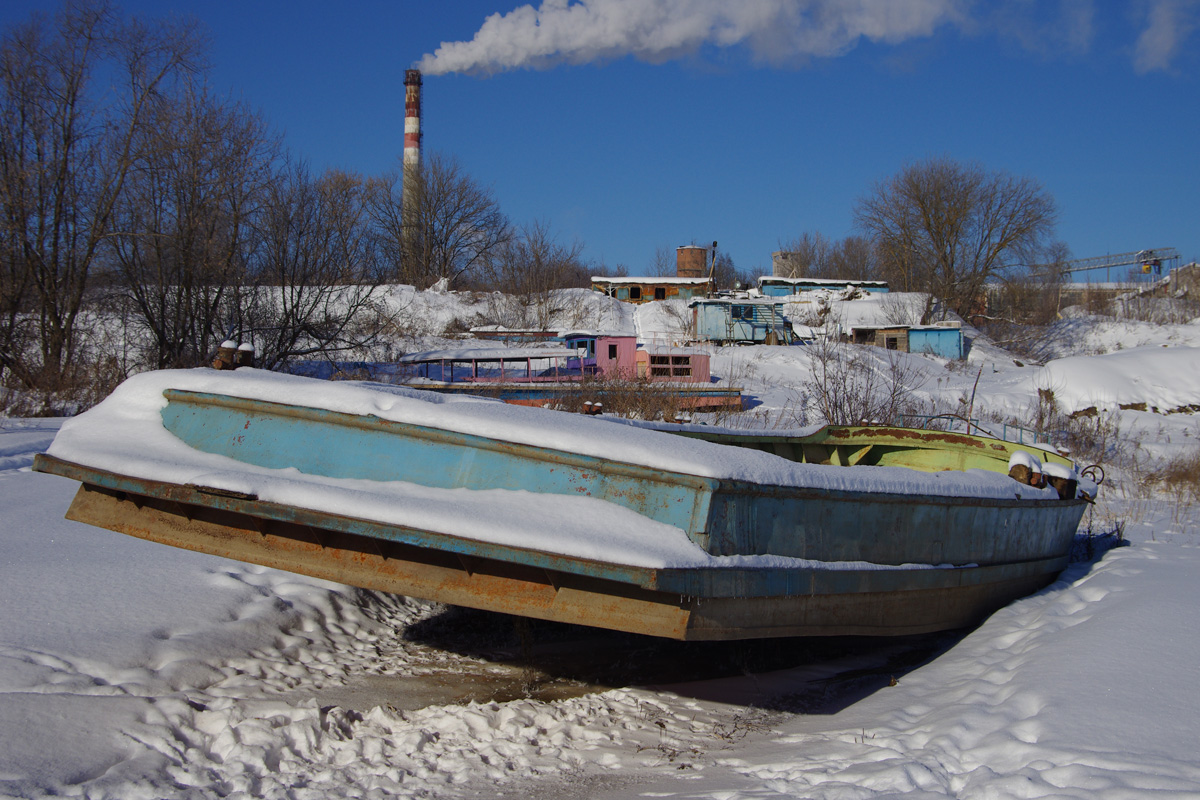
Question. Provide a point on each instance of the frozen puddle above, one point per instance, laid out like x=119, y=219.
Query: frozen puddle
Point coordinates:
x=461, y=656
x=455, y=686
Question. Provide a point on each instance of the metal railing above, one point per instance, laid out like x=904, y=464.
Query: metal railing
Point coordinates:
x=955, y=422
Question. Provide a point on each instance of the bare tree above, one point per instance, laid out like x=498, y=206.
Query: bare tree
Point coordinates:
x=64, y=161
x=183, y=224
x=458, y=225
x=812, y=255
x=854, y=384
x=806, y=256
x=946, y=228
x=853, y=258
x=314, y=277
x=1025, y=300
x=527, y=270
x=727, y=276
x=664, y=264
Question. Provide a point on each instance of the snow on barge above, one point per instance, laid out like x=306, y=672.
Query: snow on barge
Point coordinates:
x=874, y=531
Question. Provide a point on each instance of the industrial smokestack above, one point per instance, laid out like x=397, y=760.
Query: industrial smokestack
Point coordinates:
x=412, y=153
x=412, y=119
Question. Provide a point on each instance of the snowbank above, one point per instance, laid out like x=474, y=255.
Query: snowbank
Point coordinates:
x=1163, y=378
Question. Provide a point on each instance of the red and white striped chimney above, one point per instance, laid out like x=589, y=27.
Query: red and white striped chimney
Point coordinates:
x=411, y=165
x=412, y=119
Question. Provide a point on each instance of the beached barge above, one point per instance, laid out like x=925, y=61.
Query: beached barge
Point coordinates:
x=566, y=517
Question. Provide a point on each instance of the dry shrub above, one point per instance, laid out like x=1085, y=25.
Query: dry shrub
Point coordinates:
x=1156, y=310
x=1180, y=477
x=456, y=328
x=853, y=384
x=1095, y=438
x=353, y=372
x=1091, y=435
x=73, y=391
x=636, y=398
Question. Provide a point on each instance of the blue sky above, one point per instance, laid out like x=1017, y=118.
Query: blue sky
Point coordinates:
x=748, y=141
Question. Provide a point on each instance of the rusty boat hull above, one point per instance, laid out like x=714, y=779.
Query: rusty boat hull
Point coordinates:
x=870, y=563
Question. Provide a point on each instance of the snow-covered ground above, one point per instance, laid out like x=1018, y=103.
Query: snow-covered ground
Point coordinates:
x=132, y=670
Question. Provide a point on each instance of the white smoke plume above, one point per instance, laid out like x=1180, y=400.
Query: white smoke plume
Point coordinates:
x=773, y=31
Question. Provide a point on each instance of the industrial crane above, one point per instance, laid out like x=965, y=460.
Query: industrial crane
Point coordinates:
x=1150, y=261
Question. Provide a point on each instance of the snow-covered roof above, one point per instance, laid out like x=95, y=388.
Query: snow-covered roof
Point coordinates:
x=764, y=279
x=596, y=334
x=666, y=349
x=738, y=301
x=643, y=281
x=514, y=331
x=489, y=354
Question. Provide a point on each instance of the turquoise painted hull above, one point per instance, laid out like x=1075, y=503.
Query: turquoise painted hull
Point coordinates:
x=1001, y=548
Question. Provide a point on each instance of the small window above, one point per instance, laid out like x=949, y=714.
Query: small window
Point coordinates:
x=612, y=352
x=660, y=359
x=660, y=293
x=892, y=342
x=635, y=293
x=743, y=312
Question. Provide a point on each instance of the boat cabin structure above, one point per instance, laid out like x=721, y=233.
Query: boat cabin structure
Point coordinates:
x=539, y=375
x=544, y=364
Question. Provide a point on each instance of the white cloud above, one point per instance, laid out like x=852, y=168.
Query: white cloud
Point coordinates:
x=1049, y=29
x=1169, y=23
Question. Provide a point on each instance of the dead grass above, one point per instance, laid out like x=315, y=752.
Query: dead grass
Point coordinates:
x=1179, y=479
x=1092, y=435
x=73, y=392
x=636, y=398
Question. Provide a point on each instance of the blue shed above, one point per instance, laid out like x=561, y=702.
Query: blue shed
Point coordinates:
x=743, y=320
x=937, y=340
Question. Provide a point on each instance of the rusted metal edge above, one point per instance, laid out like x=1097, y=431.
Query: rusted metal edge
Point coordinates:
x=703, y=487
x=700, y=582
x=735, y=487
x=470, y=440
x=736, y=584
x=884, y=435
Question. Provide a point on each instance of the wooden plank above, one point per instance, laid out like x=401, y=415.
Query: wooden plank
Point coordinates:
x=417, y=572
